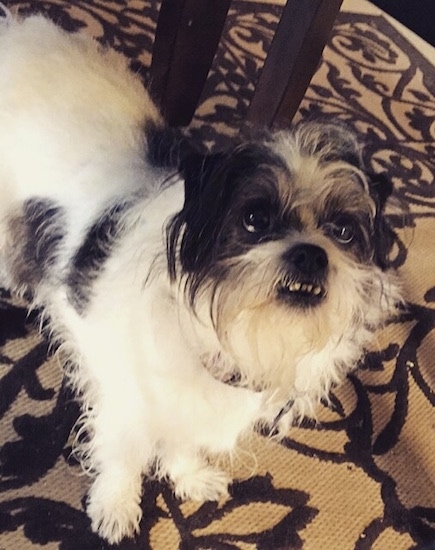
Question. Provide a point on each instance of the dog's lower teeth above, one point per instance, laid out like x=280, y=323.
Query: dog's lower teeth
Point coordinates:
x=302, y=287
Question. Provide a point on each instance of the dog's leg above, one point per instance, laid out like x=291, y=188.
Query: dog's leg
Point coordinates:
x=119, y=447
x=120, y=452
x=114, y=504
x=211, y=418
x=193, y=478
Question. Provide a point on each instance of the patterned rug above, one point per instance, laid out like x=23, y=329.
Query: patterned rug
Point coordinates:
x=363, y=476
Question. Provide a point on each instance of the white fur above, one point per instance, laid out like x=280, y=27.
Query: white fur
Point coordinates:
x=71, y=121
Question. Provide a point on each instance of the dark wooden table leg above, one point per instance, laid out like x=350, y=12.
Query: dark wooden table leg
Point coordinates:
x=293, y=57
x=187, y=36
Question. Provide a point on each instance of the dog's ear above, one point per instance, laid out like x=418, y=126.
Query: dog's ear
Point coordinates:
x=191, y=233
x=210, y=182
x=214, y=177
x=199, y=172
x=380, y=189
x=329, y=141
x=166, y=146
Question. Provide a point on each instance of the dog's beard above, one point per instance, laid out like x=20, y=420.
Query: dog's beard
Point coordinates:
x=267, y=336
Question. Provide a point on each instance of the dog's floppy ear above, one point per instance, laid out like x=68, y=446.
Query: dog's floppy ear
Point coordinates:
x=190, y=233
x=329, y=141
x=380, y=188
x=210, y=183
x=214, y=177
x=199, y=171
x=166, y=146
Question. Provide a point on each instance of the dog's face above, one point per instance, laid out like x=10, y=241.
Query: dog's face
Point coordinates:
x=284, y=242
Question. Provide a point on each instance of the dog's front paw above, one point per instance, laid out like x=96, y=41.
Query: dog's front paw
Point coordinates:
x=277, y=418
x=114, y=507
x=200, y=484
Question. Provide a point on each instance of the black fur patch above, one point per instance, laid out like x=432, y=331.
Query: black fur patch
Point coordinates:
x=166, y=146
x=36, y=233
x=380, y=189
x=89, y=259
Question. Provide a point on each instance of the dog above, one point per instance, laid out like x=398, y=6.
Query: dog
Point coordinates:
x=191, y=305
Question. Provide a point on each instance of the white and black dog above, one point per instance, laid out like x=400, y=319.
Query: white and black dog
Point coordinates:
x=190, y=306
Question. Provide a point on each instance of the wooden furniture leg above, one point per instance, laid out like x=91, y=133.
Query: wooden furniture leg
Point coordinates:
x=292, y=59
x=187, y=36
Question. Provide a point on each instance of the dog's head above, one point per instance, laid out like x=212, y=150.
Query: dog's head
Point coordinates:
x=284, y=241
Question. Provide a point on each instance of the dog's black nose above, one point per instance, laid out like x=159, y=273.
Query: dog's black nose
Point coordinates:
x=307, y=260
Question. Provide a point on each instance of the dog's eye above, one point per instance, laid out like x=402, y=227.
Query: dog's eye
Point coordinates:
x=256, y=218
x=343, y=231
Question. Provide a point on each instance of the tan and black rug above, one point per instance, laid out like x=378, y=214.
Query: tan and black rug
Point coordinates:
x=363, y=477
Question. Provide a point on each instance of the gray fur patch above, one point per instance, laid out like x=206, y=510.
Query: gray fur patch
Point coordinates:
x=36, y=233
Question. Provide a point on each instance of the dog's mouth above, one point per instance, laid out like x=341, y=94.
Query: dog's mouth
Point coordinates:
x=300, y=293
